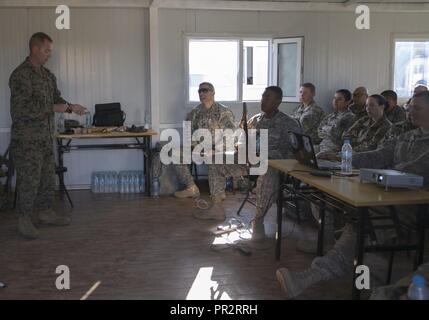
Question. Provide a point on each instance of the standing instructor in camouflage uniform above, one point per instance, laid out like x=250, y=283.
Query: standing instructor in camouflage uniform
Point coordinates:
x=34, y=99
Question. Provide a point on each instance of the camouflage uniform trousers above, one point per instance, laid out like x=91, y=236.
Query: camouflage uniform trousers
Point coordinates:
x=267, y=185
x=183, y=174
x=35, y=168
x=217, y=174
x=338, y=261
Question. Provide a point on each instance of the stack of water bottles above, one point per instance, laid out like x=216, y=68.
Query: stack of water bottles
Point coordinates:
x=112, y=182
x=131, y=182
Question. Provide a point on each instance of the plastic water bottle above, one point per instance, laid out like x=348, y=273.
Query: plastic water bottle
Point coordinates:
x=136, y=182
x=114, y=182
x=418, y=290
x=147, y=119
x=346, y=158
x=87, y=120
x=155, y=187
x=122, y=182
x=60, y=122
x=229, y=184
x=141, y=182
x=106, y=182
x=132, y=182
x=94, y=182
x=110, y=182
x=125, y=181
x=102, y=182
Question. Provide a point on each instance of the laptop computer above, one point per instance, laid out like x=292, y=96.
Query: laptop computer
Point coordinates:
x=303, y=150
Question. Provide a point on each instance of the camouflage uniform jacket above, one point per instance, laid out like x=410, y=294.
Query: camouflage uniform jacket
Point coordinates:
x=397, y=129
x=396, y=115
x=278, y=136
x=408, y=152
x=33, y=93
x=359, y=111
x=217, y=116
x=365, y=134
x=309, y=118
x=332, y=127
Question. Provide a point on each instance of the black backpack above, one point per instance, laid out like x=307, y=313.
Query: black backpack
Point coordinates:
x=108, y=115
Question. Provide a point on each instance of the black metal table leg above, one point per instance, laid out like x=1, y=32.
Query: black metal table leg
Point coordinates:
x=147, y=159
x=421, y=212
x=60, y=151
x=321, y=233
x=279, y=216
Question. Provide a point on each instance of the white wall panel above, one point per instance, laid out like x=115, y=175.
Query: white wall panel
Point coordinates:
x=13, y=37
x=102, y=58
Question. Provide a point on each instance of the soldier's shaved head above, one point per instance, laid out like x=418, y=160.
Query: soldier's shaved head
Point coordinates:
x=361, y=90
x=38, y=39
x=420, y=88
x=41, y=47
x=360, y=95
x=424, y=95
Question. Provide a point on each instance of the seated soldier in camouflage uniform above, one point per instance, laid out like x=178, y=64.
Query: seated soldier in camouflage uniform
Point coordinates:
x=409, y=153
x=207, y=115
x=332, y=127
x=394, y=113
x=367, y=132
x=330, y=131
x=278, y=125
x=359, y=101
x=401, y=127
x=34, y=100
x=308, y=113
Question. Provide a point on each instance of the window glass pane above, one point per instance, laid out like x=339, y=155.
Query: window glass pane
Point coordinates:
x=255, y=69
x=287, y=68
x=411, y=66
x=214, y=61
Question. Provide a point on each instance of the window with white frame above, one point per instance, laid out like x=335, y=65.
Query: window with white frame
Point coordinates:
x=287, y=67
x=240, y=69
x=411, y=65
x=255, y=69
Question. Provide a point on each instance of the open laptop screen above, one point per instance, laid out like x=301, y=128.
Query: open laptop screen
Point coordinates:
x=303, y=150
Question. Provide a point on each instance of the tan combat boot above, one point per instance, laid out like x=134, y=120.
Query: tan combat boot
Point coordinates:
x=294, y=283
x=214, y=212
x=190, y=192
x=49, y=216
x=258, y=230
x=26, y=228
